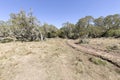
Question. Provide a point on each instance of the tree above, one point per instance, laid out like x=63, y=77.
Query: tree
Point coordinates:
x=4, y=29
x=109, y=21
x=25, y=27
x=95, y=31
x=116, y=21
x=99, y=22
x=68, y=31
x=49, y=31
x=85, y=22
x=113, y=33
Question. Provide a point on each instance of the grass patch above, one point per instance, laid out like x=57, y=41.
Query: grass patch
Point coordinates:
x=117, y=70
x=113, y=47
x=6, y=40
x=83, y=41
x=97, y=61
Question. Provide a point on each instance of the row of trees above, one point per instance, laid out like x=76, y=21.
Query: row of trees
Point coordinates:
x=88, y=26
x=26, y=27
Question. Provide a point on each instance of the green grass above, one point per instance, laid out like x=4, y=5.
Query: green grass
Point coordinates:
x=97, y=61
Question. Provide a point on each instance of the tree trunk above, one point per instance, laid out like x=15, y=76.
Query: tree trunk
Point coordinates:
x=41, y=36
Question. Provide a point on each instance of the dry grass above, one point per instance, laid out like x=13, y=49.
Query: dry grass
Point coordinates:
x=105, y=44
x=50, y=60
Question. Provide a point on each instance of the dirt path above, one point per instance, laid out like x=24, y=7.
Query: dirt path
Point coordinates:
x=104, y=55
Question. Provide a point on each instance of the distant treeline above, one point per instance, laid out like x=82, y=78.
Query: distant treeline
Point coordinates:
x=25, y=27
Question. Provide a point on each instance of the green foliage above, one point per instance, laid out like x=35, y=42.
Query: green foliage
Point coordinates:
x=113, y=33
x=92, y=31
x=61, y=34
x=83, y=41
x=4, y=29
x=99, y=22
x=49, y=31
x=85, y=22
x=95, y=31
x=52, y=34
x=25, y=27
x=68, y=31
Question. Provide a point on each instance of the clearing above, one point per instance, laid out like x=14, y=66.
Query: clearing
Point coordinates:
x=52, y=60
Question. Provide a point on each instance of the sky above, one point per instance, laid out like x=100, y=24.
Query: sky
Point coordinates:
x=57, y=12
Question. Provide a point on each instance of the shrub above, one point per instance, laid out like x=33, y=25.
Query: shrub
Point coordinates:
x=113, y=33
x=52, y=34
x=61, y=34
x=83, y=41
x=25, y=26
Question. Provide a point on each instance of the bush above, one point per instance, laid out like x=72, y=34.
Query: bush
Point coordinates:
x=92, y=31
x=61, y=34
x=113, y=33
x=83, y=41
x=52, y=34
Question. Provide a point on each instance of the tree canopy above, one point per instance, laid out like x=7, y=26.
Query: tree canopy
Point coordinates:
x=25, y=27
